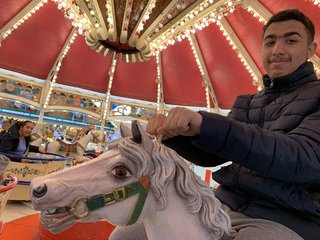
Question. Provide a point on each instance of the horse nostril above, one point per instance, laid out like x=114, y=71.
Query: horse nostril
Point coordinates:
x=40, y=191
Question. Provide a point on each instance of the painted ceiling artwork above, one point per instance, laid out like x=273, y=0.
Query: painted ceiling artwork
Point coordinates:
x=98, y=57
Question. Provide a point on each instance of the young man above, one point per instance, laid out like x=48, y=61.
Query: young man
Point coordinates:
x=272, y=188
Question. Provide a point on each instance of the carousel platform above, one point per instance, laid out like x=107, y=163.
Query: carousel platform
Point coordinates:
x=28, y=227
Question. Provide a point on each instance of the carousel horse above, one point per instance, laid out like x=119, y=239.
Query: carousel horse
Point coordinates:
x=138, y=182
x=76, y=148
x=39, y=134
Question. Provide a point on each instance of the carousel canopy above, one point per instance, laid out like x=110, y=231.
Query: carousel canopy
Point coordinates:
x=155, y=53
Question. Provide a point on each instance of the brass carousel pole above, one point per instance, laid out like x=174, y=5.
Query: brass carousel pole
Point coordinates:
x=106, y=103
x=160, y=97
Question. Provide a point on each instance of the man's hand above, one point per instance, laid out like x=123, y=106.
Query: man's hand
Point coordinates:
x=180, y=121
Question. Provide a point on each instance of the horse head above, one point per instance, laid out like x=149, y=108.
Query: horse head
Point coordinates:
x=97, y=136
x=37, y=131
x=139, y=180
x=39, y=134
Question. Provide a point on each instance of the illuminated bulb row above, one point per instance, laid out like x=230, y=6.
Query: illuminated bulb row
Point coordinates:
x=161, y=44
x=158, y=82
x=72, y=12
x=127, y=16
x=158, y=62
x=315, y=2
x=201, y=71
x=111, y=75
x=145, y=17
x=195, y=54
x=51, y=86
x=256, y=15
x=208, y=99
x=93, y=14
x=169, y=16
x=234, y=47
x=179, y=6
x=190, y=16
x=57, y=69
x=23, y=19
x=110, y=15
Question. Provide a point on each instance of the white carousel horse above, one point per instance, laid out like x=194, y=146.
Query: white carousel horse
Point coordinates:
x=77, y=148
x=140, y=182
x=39, y=134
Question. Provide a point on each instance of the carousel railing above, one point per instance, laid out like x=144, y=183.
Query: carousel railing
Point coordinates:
x=5, y=191
x=29, y=167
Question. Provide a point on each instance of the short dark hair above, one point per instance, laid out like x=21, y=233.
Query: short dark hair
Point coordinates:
x=292, y=14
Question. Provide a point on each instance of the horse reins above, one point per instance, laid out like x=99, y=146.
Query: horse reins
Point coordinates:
x=93, y=203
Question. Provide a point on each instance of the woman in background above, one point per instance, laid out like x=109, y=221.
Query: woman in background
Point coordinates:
x=17, y=139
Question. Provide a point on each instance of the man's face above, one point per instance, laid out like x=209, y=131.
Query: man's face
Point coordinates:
x=285, y=47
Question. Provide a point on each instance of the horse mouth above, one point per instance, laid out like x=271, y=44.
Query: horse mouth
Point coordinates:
x=57, y=219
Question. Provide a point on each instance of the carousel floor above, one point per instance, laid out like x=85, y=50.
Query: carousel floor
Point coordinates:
x=16, y=209
x=21, y=222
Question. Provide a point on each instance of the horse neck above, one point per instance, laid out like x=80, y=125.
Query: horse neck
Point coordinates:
x=85, y=139
x=36, y=142
x=173, y=222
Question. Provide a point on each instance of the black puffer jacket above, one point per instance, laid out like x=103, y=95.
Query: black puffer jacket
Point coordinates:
x=9, y=142
x=273, y=140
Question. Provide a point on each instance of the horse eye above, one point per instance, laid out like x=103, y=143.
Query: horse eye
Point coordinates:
x=120, y=172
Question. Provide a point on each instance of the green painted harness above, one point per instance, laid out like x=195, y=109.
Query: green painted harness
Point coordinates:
x=93, y=203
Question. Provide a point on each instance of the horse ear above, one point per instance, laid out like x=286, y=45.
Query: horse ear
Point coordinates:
x=125, y=131
x=140, y=136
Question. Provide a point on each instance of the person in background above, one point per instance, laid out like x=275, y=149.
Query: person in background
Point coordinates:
x=272, y=188
x=16, y=140
x=5, y=125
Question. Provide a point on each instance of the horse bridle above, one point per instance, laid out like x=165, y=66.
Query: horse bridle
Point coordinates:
x=95, y=138
x=95, y=202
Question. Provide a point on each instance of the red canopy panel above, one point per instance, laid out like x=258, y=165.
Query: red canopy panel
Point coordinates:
x=182, y=81
x=33, y=47
x=10, y=8
x=250, y=35
x=228, y=76
x=136, y=80
x=84, y=68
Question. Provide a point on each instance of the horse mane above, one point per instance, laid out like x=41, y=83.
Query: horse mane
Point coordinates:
x=38, y=131
x=165, y=166
x=38, y=128
x=84, y=131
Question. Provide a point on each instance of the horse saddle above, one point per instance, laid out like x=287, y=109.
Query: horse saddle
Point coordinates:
x=67, y=146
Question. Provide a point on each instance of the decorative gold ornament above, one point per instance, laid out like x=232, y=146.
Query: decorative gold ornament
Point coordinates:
x=10, y=87
x=137, y=29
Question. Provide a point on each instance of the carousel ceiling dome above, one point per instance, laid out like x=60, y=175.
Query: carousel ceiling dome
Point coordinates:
x=139, y=28
x=143, y=56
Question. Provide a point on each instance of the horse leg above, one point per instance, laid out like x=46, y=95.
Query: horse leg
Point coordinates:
x=133, y=232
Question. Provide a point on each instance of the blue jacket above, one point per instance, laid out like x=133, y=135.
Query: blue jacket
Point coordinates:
x=272, y=139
